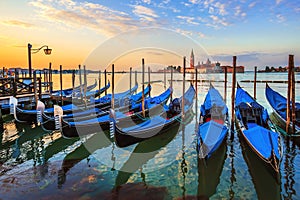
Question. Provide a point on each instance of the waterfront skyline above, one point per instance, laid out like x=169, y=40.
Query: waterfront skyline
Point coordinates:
x=258, y=33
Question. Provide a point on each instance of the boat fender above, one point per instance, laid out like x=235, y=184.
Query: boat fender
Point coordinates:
x=13, y=103
x=58, y=112
x=40, y=109
x=112, y=117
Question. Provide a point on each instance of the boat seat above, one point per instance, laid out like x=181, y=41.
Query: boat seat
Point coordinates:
x=174, y=108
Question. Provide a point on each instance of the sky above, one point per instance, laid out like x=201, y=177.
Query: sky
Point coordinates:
x=99, y=33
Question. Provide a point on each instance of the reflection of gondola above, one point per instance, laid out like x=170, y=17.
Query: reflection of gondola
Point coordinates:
x=22, y=152
x=265, y=185
x=57, y=146
x=145, y=151
x=209, y=171
x=96, y=141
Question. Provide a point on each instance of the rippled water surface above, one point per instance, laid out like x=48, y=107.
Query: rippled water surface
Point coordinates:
x=35, y=164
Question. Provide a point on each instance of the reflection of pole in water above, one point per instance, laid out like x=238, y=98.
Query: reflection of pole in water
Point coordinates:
x=289, y=171
x=183, y=165
x=232, y=174
x=113, y=158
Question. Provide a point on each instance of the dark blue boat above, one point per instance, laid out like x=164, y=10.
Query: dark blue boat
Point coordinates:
x=214, y=123
x=123, y=103
x=68, y=93
x=158, y=124
x=252, y=122
x=279, y=106
x=30, y=116
x=79, y=126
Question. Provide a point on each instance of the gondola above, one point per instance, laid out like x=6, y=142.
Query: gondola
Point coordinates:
x=252, y=122
x=76, y=126
x=127, y=104
x=69, y=93
x=155, y=125
x=214, y=123
x=279, y=106
x=30, y=116
x=87, y=96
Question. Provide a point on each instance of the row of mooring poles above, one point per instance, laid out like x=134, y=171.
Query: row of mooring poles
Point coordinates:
x=291, y=112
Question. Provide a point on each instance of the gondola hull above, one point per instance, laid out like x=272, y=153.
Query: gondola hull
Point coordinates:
x=279, y=106
x=271, y=164
x=252, y=124
x=214, y=123
x=154, y=126
x=102, y=123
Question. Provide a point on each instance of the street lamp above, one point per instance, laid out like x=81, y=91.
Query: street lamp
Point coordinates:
x=47, y=51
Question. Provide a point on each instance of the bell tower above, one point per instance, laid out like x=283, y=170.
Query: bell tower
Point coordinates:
x=192, y=60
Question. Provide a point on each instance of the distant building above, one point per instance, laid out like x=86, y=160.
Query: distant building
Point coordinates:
x=239, y=69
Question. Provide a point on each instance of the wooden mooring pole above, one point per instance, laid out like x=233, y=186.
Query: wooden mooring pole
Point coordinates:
x=35, y=87
x=105, y=80
x=225, y=85
x=255, y=75
x=149, y=81
x=50, y=78
x=143, y=87
x=73, y=81
x=183, y=86
x=80, y=82
x=61, y=84
x=171, y=84
x=288, y=99
x=99, y=86
x=113, y=87
x=165, y=78
x=130, y=79
x=291, y=58
x=233, y=97
x=85, y=84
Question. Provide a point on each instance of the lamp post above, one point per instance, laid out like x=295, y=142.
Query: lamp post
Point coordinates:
x=47, y=51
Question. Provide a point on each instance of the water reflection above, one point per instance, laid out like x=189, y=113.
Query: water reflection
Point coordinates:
x=289, y=170
x=209, y=171
x=95, y=142
x=142, y=153
x=232, y=171
x=265, y=184
x=26, y=144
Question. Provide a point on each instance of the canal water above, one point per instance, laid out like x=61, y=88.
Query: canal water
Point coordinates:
x=35, y=164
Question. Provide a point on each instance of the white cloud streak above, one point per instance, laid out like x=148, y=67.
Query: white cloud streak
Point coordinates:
x=95, y=16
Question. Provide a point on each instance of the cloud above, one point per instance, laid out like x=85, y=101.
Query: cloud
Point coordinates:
x=249, y=59
x=251, y=5
x=184, y=32
x=280, y=18
x=278, y=1
x=217, y=22
x=189, y=20
x=18, y=23
x=194, y=1
x=105, y=20
x=144, y=12
x=147, y=1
